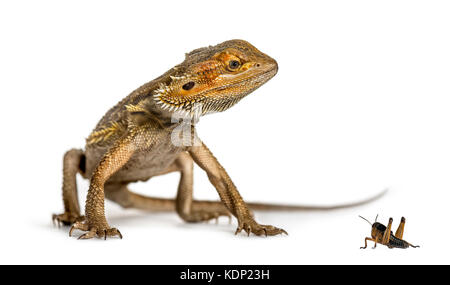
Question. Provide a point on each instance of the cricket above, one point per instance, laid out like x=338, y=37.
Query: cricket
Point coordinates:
x=383, y=235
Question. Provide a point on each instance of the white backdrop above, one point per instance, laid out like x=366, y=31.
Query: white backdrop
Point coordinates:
x=360, y=104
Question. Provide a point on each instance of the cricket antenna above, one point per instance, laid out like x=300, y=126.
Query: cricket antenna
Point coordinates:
x=376, y=218
x=365, y=220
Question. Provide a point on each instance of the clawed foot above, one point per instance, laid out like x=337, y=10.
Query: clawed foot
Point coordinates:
x=101, y=232
x=206, y=216
x=215, y=216
x=66, y=219
x=251, y=226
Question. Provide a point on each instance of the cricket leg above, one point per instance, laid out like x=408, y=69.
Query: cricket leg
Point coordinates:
x=365, y=242
x=228, y=192
x=188, y=209
x=400, y=229
x=71, y=166
x=387, y=233
x=95, y=223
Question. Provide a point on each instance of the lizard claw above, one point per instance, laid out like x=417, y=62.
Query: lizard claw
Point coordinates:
x=250, y=226
x=94, y=231
x=87, y=235
x=66, y=219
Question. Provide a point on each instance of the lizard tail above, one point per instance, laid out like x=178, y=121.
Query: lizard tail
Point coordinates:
x=279, y=207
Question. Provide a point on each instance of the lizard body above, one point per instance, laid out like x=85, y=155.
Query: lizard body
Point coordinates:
x=134, y=141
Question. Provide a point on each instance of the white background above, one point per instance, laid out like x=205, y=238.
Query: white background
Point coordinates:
x=360, y=103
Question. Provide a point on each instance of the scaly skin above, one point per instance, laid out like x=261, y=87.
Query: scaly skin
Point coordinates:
x=134, y=142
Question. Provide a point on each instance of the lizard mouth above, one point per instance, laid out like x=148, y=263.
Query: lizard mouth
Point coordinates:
x=229, y=94
x=258, y=79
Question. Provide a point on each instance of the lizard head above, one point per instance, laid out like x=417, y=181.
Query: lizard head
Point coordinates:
x=215, y=78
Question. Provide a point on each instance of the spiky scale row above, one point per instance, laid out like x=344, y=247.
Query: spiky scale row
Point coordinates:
x=175, y=78
x=136, y=108
x=105, y=133
x=172, y=104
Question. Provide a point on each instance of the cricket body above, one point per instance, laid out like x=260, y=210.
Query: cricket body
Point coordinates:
x=134, y=141
x=383, y=235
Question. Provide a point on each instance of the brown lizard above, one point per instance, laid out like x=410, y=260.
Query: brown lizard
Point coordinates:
x=139, y=138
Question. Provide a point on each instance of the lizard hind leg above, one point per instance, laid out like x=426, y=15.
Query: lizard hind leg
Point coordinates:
x=119, y=193
x=73, y=162
x=188, y=209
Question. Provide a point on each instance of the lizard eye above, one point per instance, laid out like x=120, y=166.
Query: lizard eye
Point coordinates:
x=233, y=64
x=188, y=86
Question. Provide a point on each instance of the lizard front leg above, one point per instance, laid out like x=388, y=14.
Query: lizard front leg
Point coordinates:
x=113, y=160
x=228, y=192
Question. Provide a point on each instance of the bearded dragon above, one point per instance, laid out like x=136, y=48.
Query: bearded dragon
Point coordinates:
x=139, y=138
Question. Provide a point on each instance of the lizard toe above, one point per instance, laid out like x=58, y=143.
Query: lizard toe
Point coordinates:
x=94, y=231
x=66, y=219
x=251, y=226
